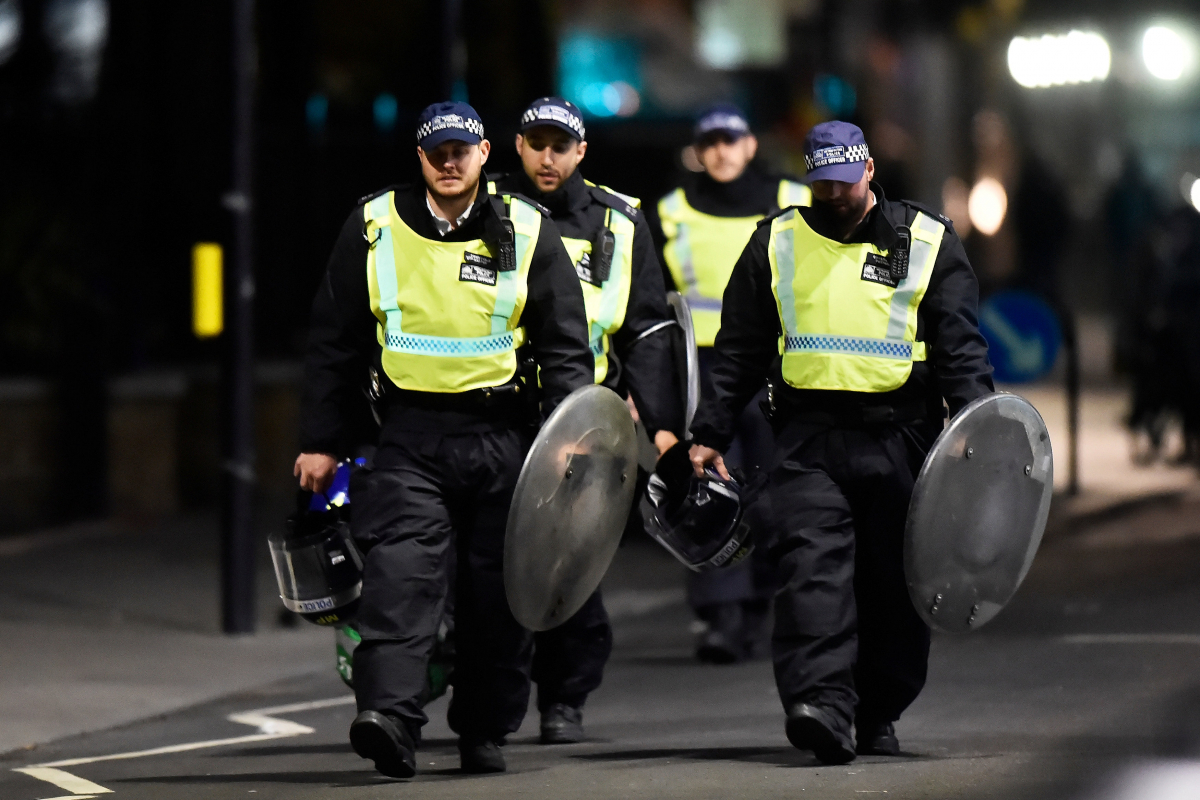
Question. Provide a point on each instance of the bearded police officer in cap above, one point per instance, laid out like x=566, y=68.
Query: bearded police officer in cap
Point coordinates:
x=701, y=228
x=859, y=313
x=610, y=245
x=447, y=304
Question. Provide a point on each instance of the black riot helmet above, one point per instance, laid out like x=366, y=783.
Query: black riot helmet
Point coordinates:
x=317, y=566
x=698, y=520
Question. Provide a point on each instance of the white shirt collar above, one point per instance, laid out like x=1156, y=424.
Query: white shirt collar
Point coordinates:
x=443, y=225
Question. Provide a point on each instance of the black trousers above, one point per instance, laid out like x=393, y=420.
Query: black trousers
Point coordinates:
x=846, y=635
x=568, y=661
x=427, y=493
x=751, y=582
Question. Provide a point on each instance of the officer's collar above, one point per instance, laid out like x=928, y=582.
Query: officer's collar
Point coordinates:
x=873, y=229
x=566, y=199
x=744, y=191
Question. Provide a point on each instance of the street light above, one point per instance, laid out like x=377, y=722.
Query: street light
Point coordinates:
x=1167, y=54
x=1192, y=191
x=1050, y=60
x=986, y=205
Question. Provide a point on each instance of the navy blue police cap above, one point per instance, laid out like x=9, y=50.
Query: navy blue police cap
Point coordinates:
x=722, y=118
x=442, y=122
x=835, y=151
x=556, y=112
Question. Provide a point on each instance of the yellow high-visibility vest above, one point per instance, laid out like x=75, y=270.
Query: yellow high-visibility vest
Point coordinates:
x=607, y=301
x=849, y=322
x=449, y=317
x=701, y=250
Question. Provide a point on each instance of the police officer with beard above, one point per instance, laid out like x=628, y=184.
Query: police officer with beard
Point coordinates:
x=701, y=228
x=859, y=314
x=610, y=245
x=454, y=302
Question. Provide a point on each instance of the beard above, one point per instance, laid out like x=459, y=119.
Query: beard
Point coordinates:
x=844, y=217
x=468, y=189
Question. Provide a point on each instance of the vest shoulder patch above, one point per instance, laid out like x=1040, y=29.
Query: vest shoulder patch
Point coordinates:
x=366, y=198
x=769, y=218
x=477, y=268
x=545, y=212
x=940, y=217
x=878, y=269
x=616, y=203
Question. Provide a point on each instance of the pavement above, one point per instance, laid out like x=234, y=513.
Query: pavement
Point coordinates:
x=114, y=650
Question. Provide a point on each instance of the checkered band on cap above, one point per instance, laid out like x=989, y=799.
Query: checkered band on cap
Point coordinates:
x=550, y=112
x=452, y=122
x=837, y=154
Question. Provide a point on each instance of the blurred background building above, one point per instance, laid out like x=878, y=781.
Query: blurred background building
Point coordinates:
x=1062, y=137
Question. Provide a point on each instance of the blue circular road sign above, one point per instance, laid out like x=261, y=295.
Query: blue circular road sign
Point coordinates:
x=1022, y=333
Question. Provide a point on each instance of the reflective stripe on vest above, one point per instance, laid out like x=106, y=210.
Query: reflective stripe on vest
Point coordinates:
x=841, y=330
x=792, y=193
x=701, y=250
x=606, y=304
x=447, y=320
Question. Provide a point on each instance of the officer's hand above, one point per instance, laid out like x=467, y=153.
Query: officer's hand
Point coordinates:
x=705, y=456
x=315, y=471
x=664, y=441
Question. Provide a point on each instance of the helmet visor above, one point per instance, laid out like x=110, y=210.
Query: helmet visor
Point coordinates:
x=318, y=572
x=703, y=527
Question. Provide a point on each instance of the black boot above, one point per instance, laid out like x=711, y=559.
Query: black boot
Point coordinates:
x=876, y=738
x=385, y=740
x=722, y=642
x=813, y=728
x=562, y=724
x=480, y=756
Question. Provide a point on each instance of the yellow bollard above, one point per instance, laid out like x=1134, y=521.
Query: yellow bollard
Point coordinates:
x=208, y=314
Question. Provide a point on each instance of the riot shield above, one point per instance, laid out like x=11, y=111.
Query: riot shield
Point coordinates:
x=686, y=358
x=569, y=508
x=978, y=512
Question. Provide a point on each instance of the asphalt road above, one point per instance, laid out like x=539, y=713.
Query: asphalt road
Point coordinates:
x=1094, y=665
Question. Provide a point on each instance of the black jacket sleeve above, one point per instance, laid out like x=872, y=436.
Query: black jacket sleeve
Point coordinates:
x=957, y=350
x=658, y=241
x=648, y=369
x=555, y=320
x=340, y=340
x=745, y=347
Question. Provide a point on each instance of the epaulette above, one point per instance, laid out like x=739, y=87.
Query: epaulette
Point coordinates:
x=366, y=198
x=767, y=219
x=545, y=211
x=616, y=202
x=939, y=216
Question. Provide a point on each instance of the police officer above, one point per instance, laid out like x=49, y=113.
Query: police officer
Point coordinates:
x=448, y=298
x=860, y=315
x=610, y=245
x=701, y=228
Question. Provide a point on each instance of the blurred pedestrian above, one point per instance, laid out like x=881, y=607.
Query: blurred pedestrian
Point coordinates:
x=1167, y=356
x=430, y=290
x=609, y=242
x=859, y=314
x=701, y=228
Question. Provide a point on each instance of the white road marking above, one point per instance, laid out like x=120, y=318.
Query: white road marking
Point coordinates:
x=627, y=603
x=71, y=797
x=64, y=780
x=1133, y=638
x=269, y=727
